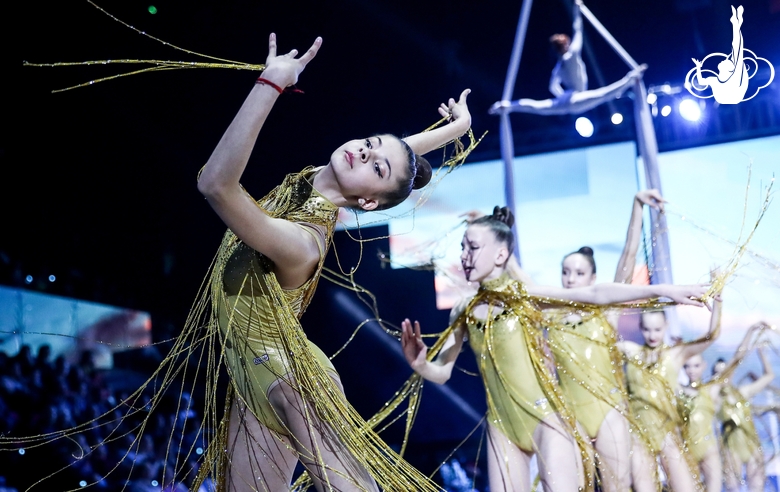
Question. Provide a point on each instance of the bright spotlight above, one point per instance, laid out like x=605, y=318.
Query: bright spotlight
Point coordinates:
x=617, y=119
x=689, y=109
x=651, y=98
x=666, y=110
x=28, y=279
x=584, y=127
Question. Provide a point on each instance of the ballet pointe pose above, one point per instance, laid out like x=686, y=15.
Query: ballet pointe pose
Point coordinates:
x=286, y=402
x=503, y=323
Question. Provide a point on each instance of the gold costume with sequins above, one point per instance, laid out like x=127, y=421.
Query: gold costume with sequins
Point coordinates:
x=589, y=368
x=698, y=430
x=739, y=433
x=652, y=398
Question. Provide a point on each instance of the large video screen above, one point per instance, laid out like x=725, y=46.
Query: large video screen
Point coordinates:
x=69, y=326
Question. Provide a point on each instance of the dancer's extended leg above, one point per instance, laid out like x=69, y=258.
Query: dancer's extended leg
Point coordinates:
x=712, y=469
x=558, y=456
x=678, y=473
x=756, y=474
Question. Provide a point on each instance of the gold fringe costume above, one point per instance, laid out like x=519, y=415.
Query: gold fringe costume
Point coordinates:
x=589, y=368
x=652, y=396
x=698, y=431
x=739, y=432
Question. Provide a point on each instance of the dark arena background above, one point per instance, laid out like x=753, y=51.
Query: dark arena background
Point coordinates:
x=105, y=239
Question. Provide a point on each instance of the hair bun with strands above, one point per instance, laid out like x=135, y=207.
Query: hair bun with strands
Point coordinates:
x=503, y=214
x=423, y=172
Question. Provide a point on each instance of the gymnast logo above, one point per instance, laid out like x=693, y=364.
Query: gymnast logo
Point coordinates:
x=729, y=84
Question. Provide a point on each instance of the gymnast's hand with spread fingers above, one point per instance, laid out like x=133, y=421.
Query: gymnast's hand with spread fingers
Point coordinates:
x=283, y=70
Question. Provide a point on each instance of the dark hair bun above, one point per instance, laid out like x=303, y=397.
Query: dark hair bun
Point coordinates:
x=585, y=250
x=424, y=172
x=503, y=214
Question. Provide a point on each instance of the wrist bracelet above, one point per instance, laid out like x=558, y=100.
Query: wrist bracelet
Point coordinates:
x=261, y=80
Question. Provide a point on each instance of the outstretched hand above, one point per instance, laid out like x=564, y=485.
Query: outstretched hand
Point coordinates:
x=415, y=350
x=457, y=111
x=687, y=294
x=651, y=198
x=284, y=70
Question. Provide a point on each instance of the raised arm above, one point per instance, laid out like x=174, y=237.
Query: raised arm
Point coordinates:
x=625, y=269
x=576, y=39
x=689, y=349
x=460, y=122
x=416, y=352
x=750, y=390
x=744, y=348
x=293, y=250
x=613, y=293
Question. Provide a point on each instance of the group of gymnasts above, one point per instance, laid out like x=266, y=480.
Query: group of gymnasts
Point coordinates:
x=562, y=386
x=563, y=397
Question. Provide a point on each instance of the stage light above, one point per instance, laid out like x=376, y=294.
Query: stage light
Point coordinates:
x=689, y=109
x=651, y=98
x=52, y=278
x=22, y=451
x=583, y=126
x=83, y=483
x=199, y=450
x=28, y=279
x=666, y=110
x=617, y=119
x=155, y=483
x=152, y=9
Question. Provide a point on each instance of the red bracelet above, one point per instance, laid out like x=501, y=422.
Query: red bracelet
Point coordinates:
x=261, y=80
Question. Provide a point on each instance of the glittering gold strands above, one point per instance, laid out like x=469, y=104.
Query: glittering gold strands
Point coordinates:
x=156, y=65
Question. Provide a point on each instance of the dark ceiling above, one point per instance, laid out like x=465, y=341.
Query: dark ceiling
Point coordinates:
x=99, y=183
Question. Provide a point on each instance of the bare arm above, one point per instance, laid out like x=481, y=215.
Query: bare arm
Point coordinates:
x=555, y=87
x=625, y=269
x=293, y=250
x=689, y=349
x=750, y=390
x=743, y=349
x=460, y=122
x=439, y=370
x=613, y=293
x=576, y=39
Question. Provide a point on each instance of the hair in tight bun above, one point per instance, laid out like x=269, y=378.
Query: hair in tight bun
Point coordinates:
x=500, y=223
x=423, y=172
x=587, y=252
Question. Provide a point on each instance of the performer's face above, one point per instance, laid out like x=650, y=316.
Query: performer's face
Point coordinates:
x=368, y=169
x=576, y=271
x=653, y=326
x=482, y=255
x=694, y=368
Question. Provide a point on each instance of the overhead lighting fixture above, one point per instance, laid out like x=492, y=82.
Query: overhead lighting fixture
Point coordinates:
x=617, y=119
x=689, y=109
x=584, y=127
x=666, y=110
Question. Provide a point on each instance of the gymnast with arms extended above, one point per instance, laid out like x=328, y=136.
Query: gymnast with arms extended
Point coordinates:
x=731, y=83
x=701, y=400
x=569, y=80
x=503, y=323
x=742, y=452
x=287, y=409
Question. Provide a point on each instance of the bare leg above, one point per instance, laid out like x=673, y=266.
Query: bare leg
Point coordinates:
x=320, y=451
x=712, y=469
x=756, y=474
x=260, y=460
x=613, y=443
x=558, y=456
x=508, y=465
x=732, y=471
x=678, y=474
x=643, y=468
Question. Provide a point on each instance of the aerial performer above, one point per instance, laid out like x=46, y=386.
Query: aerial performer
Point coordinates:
x=285, y=404
x=731, y=83
x=701, y=401
x=584, y=347
x=742, y=452
x=569, y=80
x=503, y=323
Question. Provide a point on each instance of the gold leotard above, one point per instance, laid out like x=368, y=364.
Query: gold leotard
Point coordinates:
x=739, y=433
x=588, y=369
x=503, y=344
x=652, y=397
x=698, y=429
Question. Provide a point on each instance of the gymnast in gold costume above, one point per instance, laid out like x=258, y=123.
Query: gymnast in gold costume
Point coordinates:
x=742, y=452
x=503, y=323
x=287, y=402
x=701, y=401
x=589, y=365
x=651, y=374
